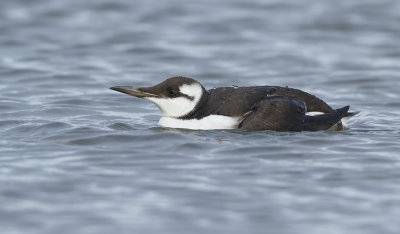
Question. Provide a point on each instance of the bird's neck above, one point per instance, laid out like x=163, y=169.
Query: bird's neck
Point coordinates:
x=197, y=112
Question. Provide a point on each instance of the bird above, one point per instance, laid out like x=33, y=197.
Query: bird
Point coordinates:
x=185, y=103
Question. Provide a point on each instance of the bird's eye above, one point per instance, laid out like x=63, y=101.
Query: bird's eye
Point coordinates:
x=171, y=91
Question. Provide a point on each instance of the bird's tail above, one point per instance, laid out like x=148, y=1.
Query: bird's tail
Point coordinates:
x=326, y=121
x=351, y=114
x=345, y=120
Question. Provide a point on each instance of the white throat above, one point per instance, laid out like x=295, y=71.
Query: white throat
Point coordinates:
x=179, y=106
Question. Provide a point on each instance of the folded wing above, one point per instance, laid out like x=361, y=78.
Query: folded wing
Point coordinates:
x=279, y=113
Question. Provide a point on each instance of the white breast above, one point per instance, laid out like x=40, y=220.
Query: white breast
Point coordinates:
x=206, y=123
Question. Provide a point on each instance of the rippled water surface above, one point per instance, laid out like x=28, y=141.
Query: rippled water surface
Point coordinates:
x=76, y=157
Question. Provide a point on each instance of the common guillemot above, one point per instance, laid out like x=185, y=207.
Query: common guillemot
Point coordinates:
x=185, y=103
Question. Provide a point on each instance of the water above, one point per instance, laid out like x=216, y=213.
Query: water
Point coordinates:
x=76, y=157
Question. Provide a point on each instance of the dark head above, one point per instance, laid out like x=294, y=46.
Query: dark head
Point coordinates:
x=175, y=97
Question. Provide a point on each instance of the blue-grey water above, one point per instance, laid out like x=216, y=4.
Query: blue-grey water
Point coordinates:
x=76, y=157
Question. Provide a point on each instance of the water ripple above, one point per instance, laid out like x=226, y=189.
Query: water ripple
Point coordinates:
x=77, y=157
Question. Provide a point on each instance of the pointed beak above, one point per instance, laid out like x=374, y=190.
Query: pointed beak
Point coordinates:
x=133, y=91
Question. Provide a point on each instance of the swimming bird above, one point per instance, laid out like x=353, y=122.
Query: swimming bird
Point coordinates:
x=185, y=103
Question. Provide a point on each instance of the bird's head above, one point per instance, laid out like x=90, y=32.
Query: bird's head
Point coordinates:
x=175, y=97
